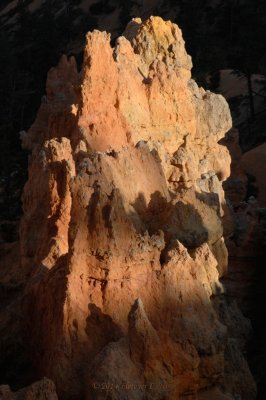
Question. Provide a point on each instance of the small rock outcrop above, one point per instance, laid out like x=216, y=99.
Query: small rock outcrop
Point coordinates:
x=42, y=390
x=122, y=238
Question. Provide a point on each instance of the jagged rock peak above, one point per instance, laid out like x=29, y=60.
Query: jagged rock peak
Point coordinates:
x=124, y=201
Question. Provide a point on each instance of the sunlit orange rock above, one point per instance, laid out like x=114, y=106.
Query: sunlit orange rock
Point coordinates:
x=122, y=233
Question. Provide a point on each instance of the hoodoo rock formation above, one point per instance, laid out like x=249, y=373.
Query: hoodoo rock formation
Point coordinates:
x=122, y=240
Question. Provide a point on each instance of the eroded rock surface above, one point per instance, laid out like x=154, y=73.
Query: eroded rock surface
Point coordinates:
x=122, y=235
x=41, y=390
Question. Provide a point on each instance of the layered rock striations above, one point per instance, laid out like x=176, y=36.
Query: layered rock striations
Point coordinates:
x=122, y=238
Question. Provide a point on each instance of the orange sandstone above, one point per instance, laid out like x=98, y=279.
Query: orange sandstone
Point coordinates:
x=122, y=232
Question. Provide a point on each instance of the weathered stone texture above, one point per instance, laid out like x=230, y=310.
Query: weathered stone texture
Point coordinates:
x=122, y=233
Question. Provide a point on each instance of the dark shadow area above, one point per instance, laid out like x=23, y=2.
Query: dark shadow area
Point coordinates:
x=252, y=188
x=100, y=329
x=8, y=231
x=16, y=367
x=257, y=350
x=25, y=337
x=102, y=7
x=92, y=206
x=146, y=80
x=178, y=221
x=253, y=133
x=210, y=199
x=246, y=277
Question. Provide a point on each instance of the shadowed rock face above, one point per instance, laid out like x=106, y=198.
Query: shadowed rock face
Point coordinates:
x=245, y=278
x=43, y=390
x=121, y=236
